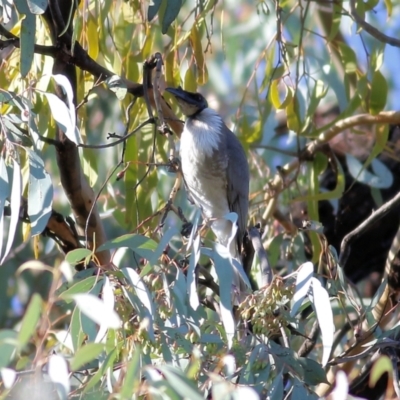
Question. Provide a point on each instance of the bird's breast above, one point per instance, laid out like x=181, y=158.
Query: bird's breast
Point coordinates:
x=204, y=164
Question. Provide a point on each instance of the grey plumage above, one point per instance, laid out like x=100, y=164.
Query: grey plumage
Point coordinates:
x=215, y=168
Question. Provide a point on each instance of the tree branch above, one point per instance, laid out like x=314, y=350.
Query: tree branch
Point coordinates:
x=362, y=228
x=377, y=34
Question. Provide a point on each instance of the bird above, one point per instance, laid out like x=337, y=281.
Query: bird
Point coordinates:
x=215, y=169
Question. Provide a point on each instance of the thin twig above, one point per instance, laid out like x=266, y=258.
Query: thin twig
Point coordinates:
x=362, y=228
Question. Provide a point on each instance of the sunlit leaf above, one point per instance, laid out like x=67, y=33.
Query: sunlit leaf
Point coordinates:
x=140, y=288
x=15, y=202
x=389, y=7
x=62, y=116
x=195, y=40
x=225, y=273
x=97, y=310
x=37, y=6
x=190, y=82
x=191, y=274
x=109, y=302
x=275, y=95
x=323, y=310
x=40, y=194
x=93, y=37
x=8, y=377
x=118, y=86
x=293, y=120
x=59, y=374
x=381, y=366
x=303, y=282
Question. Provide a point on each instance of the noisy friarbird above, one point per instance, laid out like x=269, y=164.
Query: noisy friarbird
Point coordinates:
x=215, y=169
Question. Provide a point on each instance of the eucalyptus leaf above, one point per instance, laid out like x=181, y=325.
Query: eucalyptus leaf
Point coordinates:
x=15, y=202
x=40, y=194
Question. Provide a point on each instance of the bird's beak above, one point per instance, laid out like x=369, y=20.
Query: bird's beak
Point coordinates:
x=190, y=103
x=181, y=94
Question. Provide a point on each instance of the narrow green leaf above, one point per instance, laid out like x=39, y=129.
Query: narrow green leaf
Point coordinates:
x=378, y=95
x=381, y=365
x=314, y=374
x=293, y=120
x=336, y=18
x=27, y=36
x=334, y=194
x=77, y=334
x=389, y=7
x=30, y=320
x=76, y=256
x=8, y=344
x=86, y=354
x=83, y=286
x=141, y=245
x=132, y=376
x=108, y=362
x=181, y=383
x=349, y=58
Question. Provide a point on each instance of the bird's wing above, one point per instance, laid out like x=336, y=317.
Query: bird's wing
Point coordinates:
x=238, y=179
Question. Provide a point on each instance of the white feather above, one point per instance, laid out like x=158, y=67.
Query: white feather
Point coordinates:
x=203, y=132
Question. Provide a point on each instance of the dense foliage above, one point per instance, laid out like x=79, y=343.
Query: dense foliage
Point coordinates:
x=105, y=291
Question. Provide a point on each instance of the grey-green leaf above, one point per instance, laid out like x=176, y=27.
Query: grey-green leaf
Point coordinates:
x=40, y=194
x=171, y=12
x=37, y=7
x=153, y=9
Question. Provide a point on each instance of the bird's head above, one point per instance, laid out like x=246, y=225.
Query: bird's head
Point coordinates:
x=189, y=103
